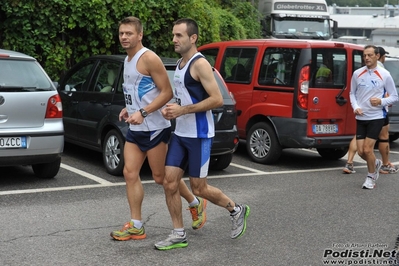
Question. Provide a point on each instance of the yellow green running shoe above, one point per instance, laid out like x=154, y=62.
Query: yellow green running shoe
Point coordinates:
x=198, y=214
x=129, y=232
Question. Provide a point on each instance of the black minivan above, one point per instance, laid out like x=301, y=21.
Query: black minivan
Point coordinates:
x=92, y=98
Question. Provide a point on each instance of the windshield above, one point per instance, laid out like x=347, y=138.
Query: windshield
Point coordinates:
x=22, y=75
x=301, y=28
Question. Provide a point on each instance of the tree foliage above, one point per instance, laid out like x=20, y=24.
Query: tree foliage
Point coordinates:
x=60, y=33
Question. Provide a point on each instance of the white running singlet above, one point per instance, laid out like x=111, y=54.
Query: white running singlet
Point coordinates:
x=140, y=90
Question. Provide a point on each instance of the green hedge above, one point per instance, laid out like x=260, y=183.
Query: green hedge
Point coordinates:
x=60, y=33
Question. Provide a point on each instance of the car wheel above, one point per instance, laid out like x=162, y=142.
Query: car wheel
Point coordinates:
x=47, y=170
x=333, y=154
x=262, y=144
x=113, y=153
x=220, y=162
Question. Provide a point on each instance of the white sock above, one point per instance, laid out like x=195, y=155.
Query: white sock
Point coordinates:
x=137, y=224
x=194, y=202
x=236, y=209
x=179, y=231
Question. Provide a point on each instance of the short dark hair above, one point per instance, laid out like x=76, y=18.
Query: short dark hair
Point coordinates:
x=192, y=26
x=372, y=46
x=134, y=21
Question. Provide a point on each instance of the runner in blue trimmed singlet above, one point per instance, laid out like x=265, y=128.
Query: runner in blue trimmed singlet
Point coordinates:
x=196, y=94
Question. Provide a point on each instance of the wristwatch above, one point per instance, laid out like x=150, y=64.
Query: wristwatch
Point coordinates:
x=143, y=112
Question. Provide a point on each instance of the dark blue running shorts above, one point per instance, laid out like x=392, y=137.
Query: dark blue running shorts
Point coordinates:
x=193, y=153
x=146, y=140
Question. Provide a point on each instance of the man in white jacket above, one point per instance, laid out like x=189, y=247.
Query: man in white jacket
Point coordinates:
x=368, y=86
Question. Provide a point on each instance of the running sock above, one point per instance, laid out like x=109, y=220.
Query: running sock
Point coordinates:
x=194, y=202
x=179, y=231
x=372, y=175
x=235, y=210
x=137, y=224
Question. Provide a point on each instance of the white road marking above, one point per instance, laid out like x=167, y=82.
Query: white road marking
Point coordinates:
x=85, y=174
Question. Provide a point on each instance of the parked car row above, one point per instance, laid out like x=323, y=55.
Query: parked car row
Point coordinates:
x=92, y=99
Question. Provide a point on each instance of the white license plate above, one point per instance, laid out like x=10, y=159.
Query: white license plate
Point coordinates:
x=13, y=143
x=325, y=129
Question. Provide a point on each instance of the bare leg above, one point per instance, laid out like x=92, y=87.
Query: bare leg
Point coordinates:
x=185, y=192
x=171, y=185
x=352, y=150
x=134, y=159
x=201, y=188
x=366, y=151
x=383, y=144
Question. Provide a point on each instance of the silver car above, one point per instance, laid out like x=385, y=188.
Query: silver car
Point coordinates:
x=392, y=65
x=31, y=127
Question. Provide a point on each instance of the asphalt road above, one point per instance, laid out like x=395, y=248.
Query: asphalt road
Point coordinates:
x=304, y=211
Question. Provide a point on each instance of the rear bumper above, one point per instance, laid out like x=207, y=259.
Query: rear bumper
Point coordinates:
x=28, y=160
x=292, y=133
x=225, y=141
x=40, y=149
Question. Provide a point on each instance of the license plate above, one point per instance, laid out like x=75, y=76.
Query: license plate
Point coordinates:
x=325, y=129
x=13, y=143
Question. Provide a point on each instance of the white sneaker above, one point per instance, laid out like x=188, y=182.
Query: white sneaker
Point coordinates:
x=369, y=183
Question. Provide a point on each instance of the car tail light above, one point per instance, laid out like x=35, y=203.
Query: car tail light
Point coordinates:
x=54, y=107
x=303, y=87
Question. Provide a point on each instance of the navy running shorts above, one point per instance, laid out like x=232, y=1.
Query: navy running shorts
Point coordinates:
x=193, y=153
x=146, y=140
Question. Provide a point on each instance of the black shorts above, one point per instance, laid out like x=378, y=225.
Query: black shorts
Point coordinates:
x=369, y=128
x=386, y=121
x=146, y=140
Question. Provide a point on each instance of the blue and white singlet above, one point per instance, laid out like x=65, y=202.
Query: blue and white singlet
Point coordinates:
x=140, y=90
x=189, y=91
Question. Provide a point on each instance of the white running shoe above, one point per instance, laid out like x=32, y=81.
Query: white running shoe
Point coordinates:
x=369, y=183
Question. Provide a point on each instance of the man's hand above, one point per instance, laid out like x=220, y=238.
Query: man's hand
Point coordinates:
x=358, y=111
x=123, y=115
x=135, y=119
x=172, y=110
x=375, y=101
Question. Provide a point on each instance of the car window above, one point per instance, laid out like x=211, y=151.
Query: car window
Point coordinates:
x=393, y=67
x=33, y=76
x=211, y=55
x=279, y=66
x=105, y=77
x=237, y=64
x=78, y=79
x=328, y=68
